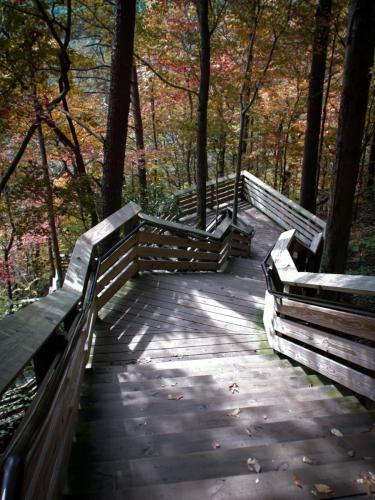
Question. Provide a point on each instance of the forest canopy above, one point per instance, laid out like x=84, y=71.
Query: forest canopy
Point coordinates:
x=93, y=115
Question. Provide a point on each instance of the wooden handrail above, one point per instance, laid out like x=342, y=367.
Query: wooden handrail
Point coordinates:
x=290, y=276
x=24, y=333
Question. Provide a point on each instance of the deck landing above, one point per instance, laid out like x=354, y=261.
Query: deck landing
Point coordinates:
x=184, y=391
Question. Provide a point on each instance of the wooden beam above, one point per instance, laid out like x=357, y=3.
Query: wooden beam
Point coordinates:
x=359, y=354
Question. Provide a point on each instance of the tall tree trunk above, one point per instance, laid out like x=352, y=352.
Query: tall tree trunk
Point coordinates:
x=314, y=106
x=202, y=166
x=359, y=56
x=50, y=208
x=153, y=117
x=221, y=159
x=324, y=112
x=118, y=110
x=138, y=124
x=371, y=165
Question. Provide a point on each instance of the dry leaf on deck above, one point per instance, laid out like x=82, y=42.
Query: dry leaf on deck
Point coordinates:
x=175, y=397
x=248, y=431
x=336, y=432
x=215, y=444
x=368, y=482
x=297, y=481
x=253, y=465
x=234, y=413
x=307, y=460
x=234, y=388
x=322, y=488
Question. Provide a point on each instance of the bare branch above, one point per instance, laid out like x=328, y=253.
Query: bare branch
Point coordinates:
x=163, y=78
x=97, y=136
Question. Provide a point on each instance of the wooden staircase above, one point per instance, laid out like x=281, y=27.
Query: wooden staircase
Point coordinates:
x=181, y=429
x=197, y=374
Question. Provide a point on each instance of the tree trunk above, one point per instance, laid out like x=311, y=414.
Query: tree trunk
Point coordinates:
x=141, y=160
x=314, y=106
x=359, y=56
x=118, y=110
x=84, y=189
x=371, y=165
x=202, y=166
x=50, y=208
x=238, y=165
x=324, y=112
x=153, y=117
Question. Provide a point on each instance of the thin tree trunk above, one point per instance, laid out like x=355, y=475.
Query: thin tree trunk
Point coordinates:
x=202, y=166
x=84, y=182
x=50, y=208
x=118, y=110
x=359, y=56
x=324, y=113
x=238, y=165
x=138, y=124
x=153, y=116
x=314, y=106
x=371, y=165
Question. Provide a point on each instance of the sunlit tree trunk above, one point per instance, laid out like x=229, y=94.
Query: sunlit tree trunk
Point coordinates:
x=50, y=208
x=139, y=139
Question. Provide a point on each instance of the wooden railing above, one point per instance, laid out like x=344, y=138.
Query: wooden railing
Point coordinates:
x=301, y=322
x=285, y=212
x=55, y=332
x=187, y=198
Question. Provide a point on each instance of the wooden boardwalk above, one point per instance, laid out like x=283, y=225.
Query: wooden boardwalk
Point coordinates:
x=185, y=399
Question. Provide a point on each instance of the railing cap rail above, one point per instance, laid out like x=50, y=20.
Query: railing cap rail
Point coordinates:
x=23, y=334
x=289, y=275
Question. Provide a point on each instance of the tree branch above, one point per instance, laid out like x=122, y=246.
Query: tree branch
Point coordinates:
x=163, y=79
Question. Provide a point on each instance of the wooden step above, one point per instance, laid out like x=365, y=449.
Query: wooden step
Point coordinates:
x=224, y=403
x=217, y=463
x=299, y=483
x=102, y=448
x=111, y=385
x=117, y=424
x=181, y=367
x=203, y=390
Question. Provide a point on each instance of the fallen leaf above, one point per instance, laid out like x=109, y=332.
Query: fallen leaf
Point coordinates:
x=336, y=432
x=234, y=413
x=215, y=444
x=234, y=388
x=257, y=480
x=175, y=397
x=297, y=481
x=368, y=481
x=351, y=453
x=248, y=431
x=307, y=460
x=322, y=488
x=265, y=417
x=143, y=361
x=253, y=465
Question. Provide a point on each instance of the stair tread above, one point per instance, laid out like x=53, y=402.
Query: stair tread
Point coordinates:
x=216, y=463
x=102, y=448
x=340, y=477
x=115, y=424
x=203, y=389
x=188, y=367
x=226, y=402
x=111, y=383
